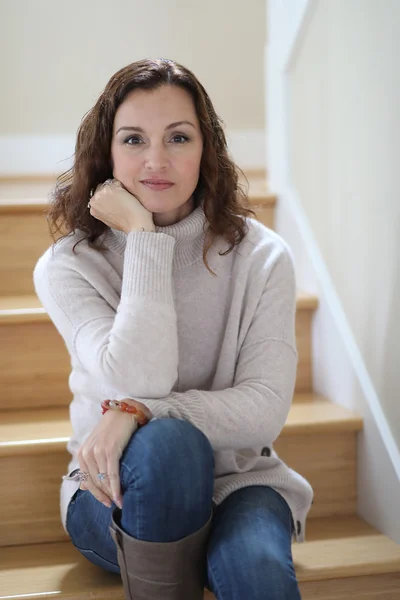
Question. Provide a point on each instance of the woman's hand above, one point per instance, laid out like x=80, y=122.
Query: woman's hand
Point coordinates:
x=101, y=453
x=116, y=207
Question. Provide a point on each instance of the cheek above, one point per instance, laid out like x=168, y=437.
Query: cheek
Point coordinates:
x=124, y=165
x=189, y=167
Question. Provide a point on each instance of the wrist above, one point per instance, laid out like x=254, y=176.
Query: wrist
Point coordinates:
x=123, y=415
x=130, y=406
x=135, y=228
x=141, y=406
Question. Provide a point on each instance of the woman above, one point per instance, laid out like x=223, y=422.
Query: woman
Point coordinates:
x=188, y=492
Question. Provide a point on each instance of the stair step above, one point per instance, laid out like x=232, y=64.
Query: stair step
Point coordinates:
x=24, y=185
x=35, y=195
x=258, y=197
x=338, y=552
x=36, y=364
x=42, y=431
x=318, y=441
x=313, y=413
x=20, y=187
x=344, y=546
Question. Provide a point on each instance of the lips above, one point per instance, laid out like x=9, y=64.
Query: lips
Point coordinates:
x=157, y=181
x=157, y=187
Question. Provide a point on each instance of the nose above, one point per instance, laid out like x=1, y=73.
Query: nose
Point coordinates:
x=156, y=157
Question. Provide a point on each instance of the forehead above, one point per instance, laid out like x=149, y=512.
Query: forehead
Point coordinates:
x=156, y=108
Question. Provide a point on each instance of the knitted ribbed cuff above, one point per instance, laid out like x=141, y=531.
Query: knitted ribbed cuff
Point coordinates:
x=178, y=405
x=148, y=261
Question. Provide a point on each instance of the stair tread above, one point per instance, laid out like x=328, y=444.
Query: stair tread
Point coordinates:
x=319, y=413
x=32, y=431
x=38, y=186
x=28, y=307
x=37, y=200
x=16, y=309
x=342, y=546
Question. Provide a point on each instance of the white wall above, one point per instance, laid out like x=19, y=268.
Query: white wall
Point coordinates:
x=345, y=128
x=332, y=123
x=56, y=57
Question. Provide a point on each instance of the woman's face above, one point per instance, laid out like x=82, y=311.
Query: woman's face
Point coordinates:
x=158, y=150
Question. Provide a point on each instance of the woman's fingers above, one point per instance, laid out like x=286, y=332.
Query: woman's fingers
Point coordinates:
x=113, y=474
x=101, y=453
x=89, y=484
x=98, y=494
x=100, y=466
x=97, y=485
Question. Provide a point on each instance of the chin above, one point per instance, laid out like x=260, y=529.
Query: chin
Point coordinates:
x=162, y=205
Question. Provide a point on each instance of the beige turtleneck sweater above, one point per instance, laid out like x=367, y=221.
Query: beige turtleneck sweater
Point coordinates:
x=147, y=320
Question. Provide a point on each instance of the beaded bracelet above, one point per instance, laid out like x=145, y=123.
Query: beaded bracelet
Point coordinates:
x=125, y=407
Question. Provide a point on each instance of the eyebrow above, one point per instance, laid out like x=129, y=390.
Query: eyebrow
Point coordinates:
x=171, y=126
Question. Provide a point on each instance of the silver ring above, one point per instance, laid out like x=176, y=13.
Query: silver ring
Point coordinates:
x=102, y=476
x=82, y=475
x=106, y=182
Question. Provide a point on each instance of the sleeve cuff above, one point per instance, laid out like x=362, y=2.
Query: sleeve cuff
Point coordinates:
x=159, y=408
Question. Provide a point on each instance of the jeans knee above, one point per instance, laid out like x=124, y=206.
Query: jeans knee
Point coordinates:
x=178, y=435
x=167, y=446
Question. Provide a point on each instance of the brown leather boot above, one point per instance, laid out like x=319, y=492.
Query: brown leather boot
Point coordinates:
x=161, y=570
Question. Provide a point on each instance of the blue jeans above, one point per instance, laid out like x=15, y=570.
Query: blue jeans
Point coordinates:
x=167, y=477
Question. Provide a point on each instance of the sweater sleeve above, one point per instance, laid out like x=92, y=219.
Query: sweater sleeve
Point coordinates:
x=138, y=343
x=254, y=410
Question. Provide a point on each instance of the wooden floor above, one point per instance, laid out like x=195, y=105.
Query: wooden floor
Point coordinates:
x=342, y=549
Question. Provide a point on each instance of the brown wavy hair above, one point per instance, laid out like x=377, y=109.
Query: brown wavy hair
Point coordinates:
x=226, y=203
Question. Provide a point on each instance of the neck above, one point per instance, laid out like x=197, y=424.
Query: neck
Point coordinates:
x=174, y=216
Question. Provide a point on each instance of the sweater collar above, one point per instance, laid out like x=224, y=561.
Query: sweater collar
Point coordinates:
x=189, y=235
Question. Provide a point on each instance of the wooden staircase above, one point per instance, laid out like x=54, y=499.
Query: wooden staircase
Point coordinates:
x=343, y=555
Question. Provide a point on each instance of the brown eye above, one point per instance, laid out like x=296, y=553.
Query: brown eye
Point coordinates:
x=132, y=137
x=184, y=137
